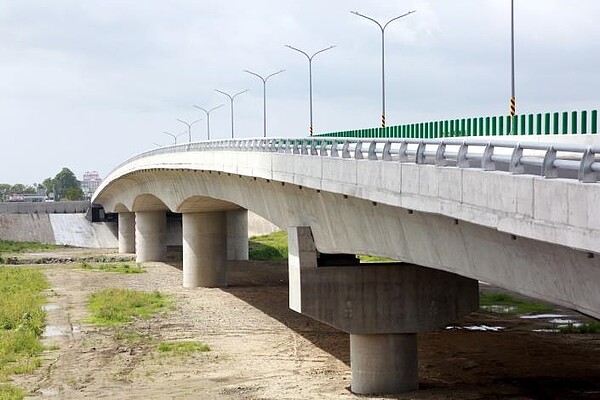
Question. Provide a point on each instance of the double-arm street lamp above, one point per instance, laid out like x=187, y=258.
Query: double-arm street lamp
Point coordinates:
x=310, y=58
x=264, y=81
x=173, y=135
x=231, y=98
x=382, y=27
x=189, y=126
x=208, y=118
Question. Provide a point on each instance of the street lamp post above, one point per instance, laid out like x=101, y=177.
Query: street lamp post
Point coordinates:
x=189, y=126
x=208, y=118
x=382, y=27
x=513, y=101
x=310, y=58
x=264, y=81
x=173, y=136
x=231, y=98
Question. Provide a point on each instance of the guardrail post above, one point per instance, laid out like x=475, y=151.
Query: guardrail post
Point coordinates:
x=323, y=149
x=358, y=151
x=303, y=149
x=386, y=154
x=372, y=155
x=313, y=148
x=548, y=168
x=594, y=122
x=420, y=156
x=334, y=150
x=440, y=161
x=462, y=160
x=516, y=167
x=402, y=156
x=346, y=149
x=487, y=163
x=586, y=174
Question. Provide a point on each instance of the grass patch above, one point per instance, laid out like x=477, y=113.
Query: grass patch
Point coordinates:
x=10, y=392
x=367, y=258
x=183, y=348
x=273, y=247
x=119, y=306
x=118, y=267
x=6, y=246
x=502, y=303
x=21, y=324
x=585, y=328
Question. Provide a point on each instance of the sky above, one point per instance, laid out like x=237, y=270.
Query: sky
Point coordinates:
x=86, y=84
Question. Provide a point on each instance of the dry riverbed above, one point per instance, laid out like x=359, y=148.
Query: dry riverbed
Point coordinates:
x=262, y=350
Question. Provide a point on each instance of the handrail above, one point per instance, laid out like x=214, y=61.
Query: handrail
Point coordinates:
x=549, y=159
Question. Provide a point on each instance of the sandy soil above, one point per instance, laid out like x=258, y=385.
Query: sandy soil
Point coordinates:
x=262, y=350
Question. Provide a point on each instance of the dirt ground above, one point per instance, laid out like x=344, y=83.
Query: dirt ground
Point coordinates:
x=260, y=349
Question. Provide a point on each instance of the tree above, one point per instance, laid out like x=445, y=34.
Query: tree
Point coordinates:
x=66, y=186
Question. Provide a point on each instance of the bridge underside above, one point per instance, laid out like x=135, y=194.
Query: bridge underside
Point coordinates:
x=381, y=307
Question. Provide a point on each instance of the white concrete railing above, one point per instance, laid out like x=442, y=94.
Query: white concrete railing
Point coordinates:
x=549, y=160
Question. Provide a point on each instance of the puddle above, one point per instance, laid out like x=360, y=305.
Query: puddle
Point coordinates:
x=50, y=307
x=480, y=328
x=546, y=330
x=543, y=316
x=54, y=331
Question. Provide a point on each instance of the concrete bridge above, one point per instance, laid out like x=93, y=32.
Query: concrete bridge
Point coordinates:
x=523, y=216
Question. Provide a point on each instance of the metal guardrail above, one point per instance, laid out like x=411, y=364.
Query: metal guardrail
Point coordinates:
x=544, y=159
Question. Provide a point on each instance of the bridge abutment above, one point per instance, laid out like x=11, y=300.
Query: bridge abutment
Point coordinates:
x=126, y=232
x=150, y=234
x=382, y=307
x=205, y=249
x=237, y=235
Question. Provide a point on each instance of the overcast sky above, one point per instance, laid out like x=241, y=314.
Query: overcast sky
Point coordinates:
x=85, y=84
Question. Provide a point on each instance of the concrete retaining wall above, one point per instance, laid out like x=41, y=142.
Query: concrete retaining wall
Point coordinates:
x=59, y=207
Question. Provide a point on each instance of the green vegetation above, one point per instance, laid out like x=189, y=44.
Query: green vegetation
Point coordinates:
x=183, y=348
x=118, y=306
x=502, y=303
x=272, y=247
x=21, y=324
x=64, y=185
x=366, y=258
x=118, y=267
x=10, y=392
x=7, y=246
x=585, y=328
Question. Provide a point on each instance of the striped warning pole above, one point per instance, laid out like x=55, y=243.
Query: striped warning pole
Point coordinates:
x=383, y=120
x=513, y=107
x=310, y=130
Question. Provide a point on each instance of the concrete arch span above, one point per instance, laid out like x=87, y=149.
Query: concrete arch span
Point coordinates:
x=345, y=224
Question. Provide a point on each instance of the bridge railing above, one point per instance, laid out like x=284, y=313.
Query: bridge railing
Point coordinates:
x=556, y=123
x=547, y=160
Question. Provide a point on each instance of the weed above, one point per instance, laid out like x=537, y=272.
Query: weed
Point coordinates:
x=10, y=392
x=503, y=303
x=367, y=258
x=272, y=247
x=118, y=306
x=183, y=348
x=21, y=324
x=118, y=267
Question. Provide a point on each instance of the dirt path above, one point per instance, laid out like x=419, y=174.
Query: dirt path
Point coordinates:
x=262, y=350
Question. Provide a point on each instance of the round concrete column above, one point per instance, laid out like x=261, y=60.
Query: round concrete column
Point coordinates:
x=237, y=235
x=204, y=249
x=150, y=232
x=384, y=363
x=126, y=232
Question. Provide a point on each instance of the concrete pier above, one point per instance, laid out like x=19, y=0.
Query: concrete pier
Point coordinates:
x=150, y=230
x=384, y=363
x=237, y=235
x=205, y=249
x=126, y=232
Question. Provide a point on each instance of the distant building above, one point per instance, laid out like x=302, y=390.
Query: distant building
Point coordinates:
x=89, y=184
